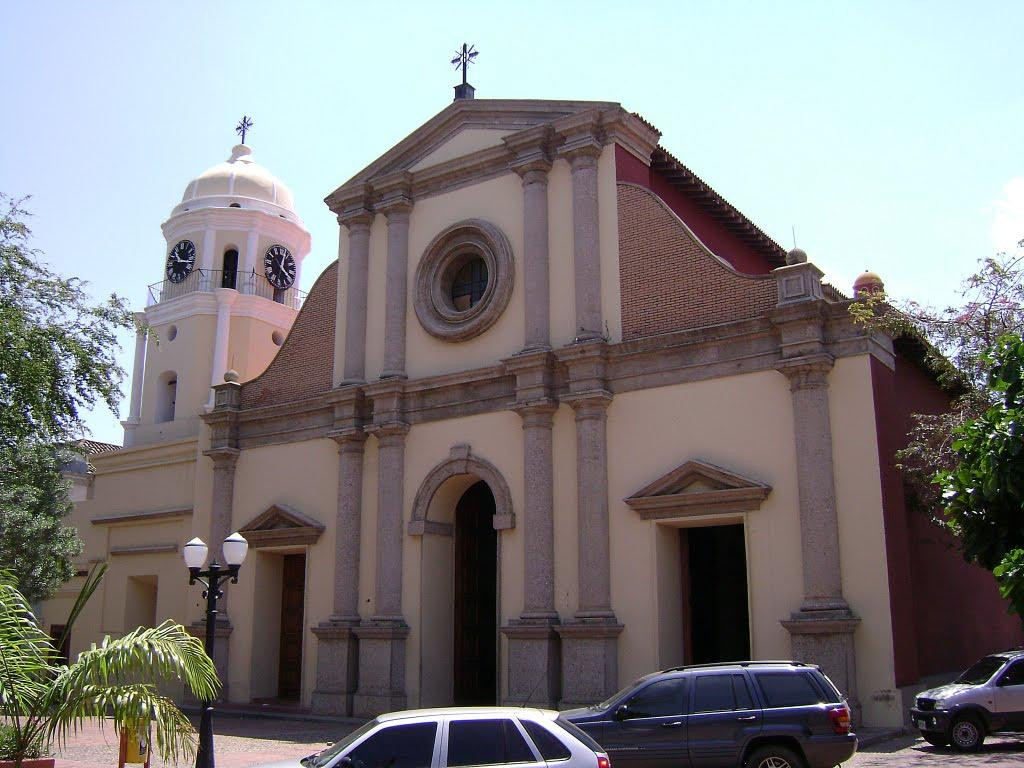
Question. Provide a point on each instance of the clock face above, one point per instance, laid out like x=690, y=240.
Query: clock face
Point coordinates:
x=279, y=266
x=180, y=261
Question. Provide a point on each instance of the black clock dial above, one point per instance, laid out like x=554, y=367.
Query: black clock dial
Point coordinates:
x=279, y=267
x=180, y=261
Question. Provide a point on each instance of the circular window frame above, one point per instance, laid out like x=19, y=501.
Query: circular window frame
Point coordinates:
x=436, y=270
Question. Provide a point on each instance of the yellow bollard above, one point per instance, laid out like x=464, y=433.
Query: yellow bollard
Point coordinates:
x=135, y=744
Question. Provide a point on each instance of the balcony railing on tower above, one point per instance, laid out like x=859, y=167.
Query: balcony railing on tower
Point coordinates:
x=208, y=280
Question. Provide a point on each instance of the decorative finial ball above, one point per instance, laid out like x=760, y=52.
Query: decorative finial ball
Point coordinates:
x=796, y=256
x=231, y=375
x=868, y=282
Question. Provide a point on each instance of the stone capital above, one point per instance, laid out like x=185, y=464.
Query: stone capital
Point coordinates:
x=356, y=220
x=349, y=439
x=391, y=433
x=223, y=457
x=536, y=414
x=808, y=372
x=589, y=405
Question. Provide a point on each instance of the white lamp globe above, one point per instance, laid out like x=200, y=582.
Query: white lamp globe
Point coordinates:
x=235, y=548
x=195, y=553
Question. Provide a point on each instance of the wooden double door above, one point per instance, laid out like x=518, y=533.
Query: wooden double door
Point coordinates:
x=476, y=608
x=293, y=593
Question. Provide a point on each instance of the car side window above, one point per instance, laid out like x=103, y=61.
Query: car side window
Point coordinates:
x=663, y=698
x=1014, y=674
x=742, y=692
x=486, y=742
x=400, y=746
x=787, y=689
x=713, y=693
x=549, y=745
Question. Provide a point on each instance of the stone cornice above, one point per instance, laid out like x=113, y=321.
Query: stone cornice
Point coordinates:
x=140, y=456
x=150, y=516
x=240, y=220
x=144, y=549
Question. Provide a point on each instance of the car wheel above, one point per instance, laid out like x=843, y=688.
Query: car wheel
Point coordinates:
x=935, y=739
x=774, y=757
x=966, y=734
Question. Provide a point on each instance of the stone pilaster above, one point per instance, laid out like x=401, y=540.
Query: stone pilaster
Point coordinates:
x=586, y=247
x=590, y=640
x=358, y=223
x=382, y=639
x=396, y=208
x=534, y=655
x=138, y=375
x=337, y=666
x=822, y=629
x=533, y=163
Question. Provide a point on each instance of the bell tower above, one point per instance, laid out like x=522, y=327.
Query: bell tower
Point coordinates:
x=226, y=299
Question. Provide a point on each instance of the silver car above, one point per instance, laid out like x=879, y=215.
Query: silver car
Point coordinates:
x=986, y=698
x=460, y=737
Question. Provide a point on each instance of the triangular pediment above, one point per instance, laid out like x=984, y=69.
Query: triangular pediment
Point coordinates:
x=479, y=122
x=698, y=488
x=281, y=525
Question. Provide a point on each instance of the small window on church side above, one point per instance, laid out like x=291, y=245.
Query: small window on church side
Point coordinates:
x=167, y=393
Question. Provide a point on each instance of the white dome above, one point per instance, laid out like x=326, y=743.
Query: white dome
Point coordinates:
x=237, y=180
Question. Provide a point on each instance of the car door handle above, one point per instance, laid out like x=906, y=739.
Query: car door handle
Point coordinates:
x=673, y=724
x=747, y=718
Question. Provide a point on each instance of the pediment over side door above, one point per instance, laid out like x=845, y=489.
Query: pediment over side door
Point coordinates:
x=697, y=488
x=281, y=526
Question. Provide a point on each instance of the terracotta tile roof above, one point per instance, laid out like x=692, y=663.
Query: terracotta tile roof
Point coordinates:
x=681, y=177
x=94, y=446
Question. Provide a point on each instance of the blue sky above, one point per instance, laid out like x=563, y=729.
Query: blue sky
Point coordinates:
x=888, y=134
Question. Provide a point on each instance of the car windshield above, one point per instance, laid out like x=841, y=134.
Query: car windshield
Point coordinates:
x=982, y=671
x=616, y=696
x=324, y=757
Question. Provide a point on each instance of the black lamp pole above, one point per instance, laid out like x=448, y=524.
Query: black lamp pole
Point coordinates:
x=215, y=576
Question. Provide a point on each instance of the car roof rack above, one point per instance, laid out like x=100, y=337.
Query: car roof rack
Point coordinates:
x=766, y=662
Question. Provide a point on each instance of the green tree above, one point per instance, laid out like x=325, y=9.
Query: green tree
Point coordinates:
x=983, y=494
x=57, y=360
x=44, y=700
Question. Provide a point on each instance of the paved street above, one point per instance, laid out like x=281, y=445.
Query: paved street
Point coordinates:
x=242, y=742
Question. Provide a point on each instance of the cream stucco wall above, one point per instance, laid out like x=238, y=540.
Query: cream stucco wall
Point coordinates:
x=189, y=356
x=462, y=143
x=498, y=200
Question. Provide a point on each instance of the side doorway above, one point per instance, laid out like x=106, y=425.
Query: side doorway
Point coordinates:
x=649, y=729
x=716, y=616
x=293, y=596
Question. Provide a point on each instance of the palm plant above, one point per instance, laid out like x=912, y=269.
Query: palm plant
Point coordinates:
x=44, y=700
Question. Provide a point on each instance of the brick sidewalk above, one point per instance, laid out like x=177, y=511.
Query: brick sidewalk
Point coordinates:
x=238, y=742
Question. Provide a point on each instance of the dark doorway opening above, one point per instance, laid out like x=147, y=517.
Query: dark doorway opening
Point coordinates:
x=716, y=616
x=227, y=278
x=293, y=592
x=476, y=604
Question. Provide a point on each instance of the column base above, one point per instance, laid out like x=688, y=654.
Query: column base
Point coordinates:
x=381, y=668
x=825, y=638
x=337, y=667
x=590, y=661
x=534, y=663
x=222, y=632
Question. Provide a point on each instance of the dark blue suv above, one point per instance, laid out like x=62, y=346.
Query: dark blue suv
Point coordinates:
x=754, y=714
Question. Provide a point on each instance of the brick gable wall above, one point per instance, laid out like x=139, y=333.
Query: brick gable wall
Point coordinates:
x=304, y=366
x=669, y=281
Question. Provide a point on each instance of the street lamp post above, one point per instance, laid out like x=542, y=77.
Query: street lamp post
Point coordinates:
x=235, y=548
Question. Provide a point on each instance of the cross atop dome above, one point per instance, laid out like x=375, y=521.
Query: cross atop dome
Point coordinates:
x=243, y=125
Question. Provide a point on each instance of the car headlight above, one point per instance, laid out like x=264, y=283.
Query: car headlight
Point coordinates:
x=941, y=703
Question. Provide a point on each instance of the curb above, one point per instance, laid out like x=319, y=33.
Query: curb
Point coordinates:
x=879, y=737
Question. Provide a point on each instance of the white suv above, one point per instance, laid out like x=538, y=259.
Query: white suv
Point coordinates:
x=987, y=698
x=460, y=738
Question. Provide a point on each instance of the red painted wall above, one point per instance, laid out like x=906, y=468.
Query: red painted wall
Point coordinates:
x=945, y=612
x=723, y=243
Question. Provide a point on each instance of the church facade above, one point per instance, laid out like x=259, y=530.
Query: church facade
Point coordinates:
x=558, y=416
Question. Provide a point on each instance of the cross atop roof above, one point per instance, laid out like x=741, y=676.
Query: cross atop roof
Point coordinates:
x=243, y=125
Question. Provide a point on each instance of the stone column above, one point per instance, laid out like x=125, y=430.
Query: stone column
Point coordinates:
x=822, y=630
x=396, y=298
x=382, y=638
x=590, y=641
x=206, y=256
x=537, y=332
x=337, y=662
x=252, y=260
x=221, y=507
x=138, y=375
x=358, y=225
x=586, y=246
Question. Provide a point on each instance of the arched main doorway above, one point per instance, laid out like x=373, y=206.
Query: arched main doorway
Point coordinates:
x=476, y=589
